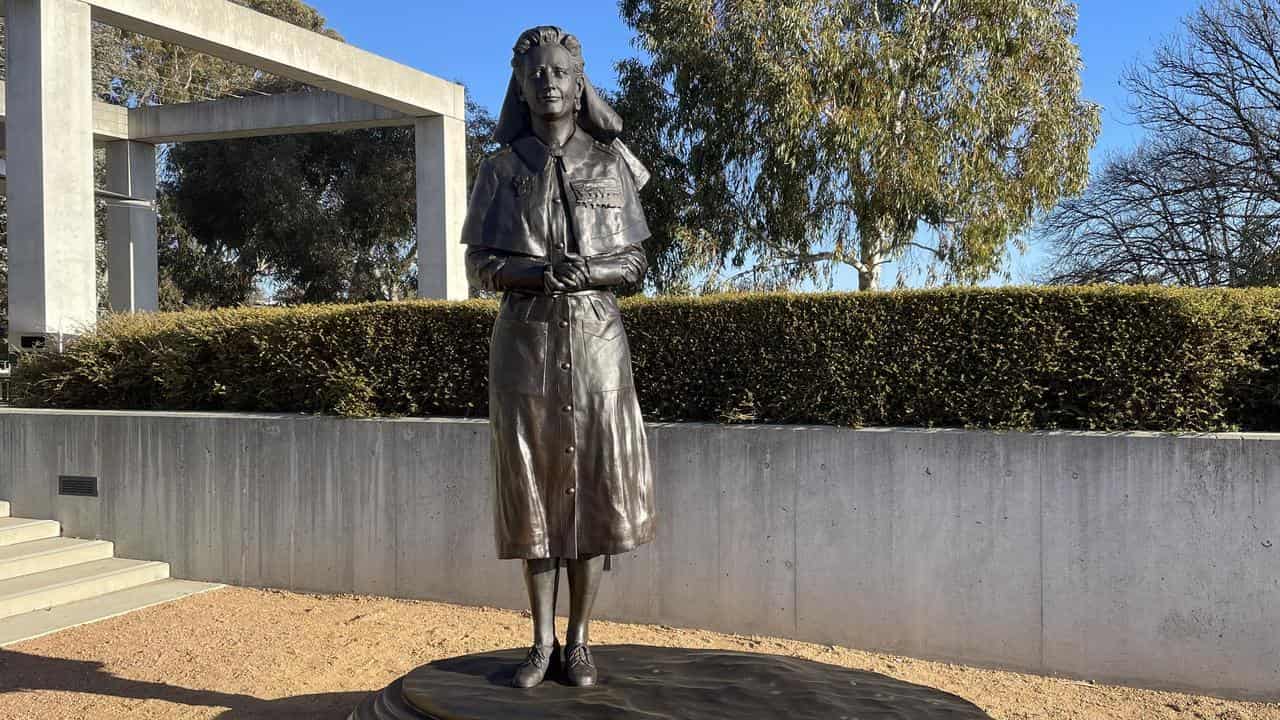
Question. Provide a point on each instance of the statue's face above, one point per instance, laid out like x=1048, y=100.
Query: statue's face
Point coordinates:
x=549, y=84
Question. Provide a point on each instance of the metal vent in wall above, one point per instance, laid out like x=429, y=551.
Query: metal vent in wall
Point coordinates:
x=78, y=486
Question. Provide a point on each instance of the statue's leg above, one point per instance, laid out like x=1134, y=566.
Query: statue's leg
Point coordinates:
x=541, y=578
x=584, y=583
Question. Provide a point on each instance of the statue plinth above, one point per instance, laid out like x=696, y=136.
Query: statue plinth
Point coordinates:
x=652, y=683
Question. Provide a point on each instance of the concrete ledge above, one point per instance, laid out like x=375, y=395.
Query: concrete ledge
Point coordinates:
x=1140, y=558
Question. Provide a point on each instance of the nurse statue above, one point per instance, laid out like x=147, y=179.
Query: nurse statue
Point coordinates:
x=555, y=224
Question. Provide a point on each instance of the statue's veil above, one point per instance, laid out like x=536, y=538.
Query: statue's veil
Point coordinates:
x=595, y=116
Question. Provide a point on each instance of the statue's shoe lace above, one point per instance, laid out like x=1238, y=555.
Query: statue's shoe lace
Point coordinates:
x=579, y=669
x=535, y=667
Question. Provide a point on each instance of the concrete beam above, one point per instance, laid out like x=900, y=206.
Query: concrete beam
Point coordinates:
x=110, y=122
x=236, y=33
x=441, y=145
x=52, y=278
x=283, y=114
x=133, y=270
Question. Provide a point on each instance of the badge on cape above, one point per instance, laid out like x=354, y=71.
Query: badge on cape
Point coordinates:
x=523, y=184
x=598, y=192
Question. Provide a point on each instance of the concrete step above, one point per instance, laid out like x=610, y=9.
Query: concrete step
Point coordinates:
x=4, y=508
x=36, y=556
x=46, y=589
x=42, y=622
x=18, y=530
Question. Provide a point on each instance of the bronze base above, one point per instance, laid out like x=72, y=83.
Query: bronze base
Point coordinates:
x=661, y=683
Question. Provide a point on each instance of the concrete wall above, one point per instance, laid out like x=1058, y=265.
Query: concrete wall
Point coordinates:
x=1137, y=558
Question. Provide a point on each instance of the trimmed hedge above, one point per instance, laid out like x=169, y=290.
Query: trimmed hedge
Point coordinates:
x=1100, y=358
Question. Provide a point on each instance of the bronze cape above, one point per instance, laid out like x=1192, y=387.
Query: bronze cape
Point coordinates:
x=569, y=452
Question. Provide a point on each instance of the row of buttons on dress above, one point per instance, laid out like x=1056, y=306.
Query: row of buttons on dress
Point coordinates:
x=566, y=366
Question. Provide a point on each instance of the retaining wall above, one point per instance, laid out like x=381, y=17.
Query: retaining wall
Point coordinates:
x=1136, y=558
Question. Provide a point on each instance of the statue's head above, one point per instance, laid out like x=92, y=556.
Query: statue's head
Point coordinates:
x=547, y=79
x=546, y=63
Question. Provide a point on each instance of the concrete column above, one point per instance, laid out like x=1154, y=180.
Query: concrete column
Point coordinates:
x=133, y=274
x=49, y=106
x=442, y=206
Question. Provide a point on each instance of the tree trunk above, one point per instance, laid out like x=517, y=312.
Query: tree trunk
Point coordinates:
x=871, y=258
x=869, y=279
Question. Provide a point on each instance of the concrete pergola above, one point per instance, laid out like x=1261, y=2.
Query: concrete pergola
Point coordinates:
x=52, y=123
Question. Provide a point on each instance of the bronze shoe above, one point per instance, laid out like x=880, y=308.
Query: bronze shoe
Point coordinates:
x=579, y=669
x=535, y=667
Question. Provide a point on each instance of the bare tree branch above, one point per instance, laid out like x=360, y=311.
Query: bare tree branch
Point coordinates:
x=1199, y=202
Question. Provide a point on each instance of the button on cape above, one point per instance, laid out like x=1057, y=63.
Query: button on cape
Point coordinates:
x=570, y=456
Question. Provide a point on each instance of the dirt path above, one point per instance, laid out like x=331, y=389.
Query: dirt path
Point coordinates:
x=236, y=654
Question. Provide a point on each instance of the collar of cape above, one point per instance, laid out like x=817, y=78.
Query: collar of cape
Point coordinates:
x=535, y=154
x=499, y=216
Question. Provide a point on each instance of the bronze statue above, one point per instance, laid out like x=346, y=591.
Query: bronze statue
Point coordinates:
x=555, y=224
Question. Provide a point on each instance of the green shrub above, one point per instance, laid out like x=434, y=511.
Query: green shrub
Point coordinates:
x=1102, y=358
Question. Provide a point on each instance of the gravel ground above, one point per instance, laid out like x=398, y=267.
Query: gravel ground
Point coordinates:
x=238, y=653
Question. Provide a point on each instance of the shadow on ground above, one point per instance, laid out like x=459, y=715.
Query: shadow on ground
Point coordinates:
x=22, y=672
x=652, y=683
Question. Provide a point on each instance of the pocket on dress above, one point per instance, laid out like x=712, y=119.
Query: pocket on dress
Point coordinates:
x=605, y=354
x=518, y=356
x=597, y=224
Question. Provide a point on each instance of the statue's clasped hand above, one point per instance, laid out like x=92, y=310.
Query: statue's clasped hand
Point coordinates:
x=567, y=275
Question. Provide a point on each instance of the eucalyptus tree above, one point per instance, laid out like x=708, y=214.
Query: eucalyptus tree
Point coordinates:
x=820, y=132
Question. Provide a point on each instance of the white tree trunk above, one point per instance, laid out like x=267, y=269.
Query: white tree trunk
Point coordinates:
x=871, y=259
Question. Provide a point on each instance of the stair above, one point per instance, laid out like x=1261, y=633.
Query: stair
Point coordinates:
x=19, y=530
x=37, y=556
x=49, y=582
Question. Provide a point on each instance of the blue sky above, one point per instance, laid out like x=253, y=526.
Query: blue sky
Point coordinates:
x=471, y=43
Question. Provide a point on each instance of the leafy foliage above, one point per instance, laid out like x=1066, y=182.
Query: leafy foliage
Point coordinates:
x=196, y=275
x=816, y=132
x=1111, y=358
x=680, y=246
x=327, y=216
x=480, y=143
